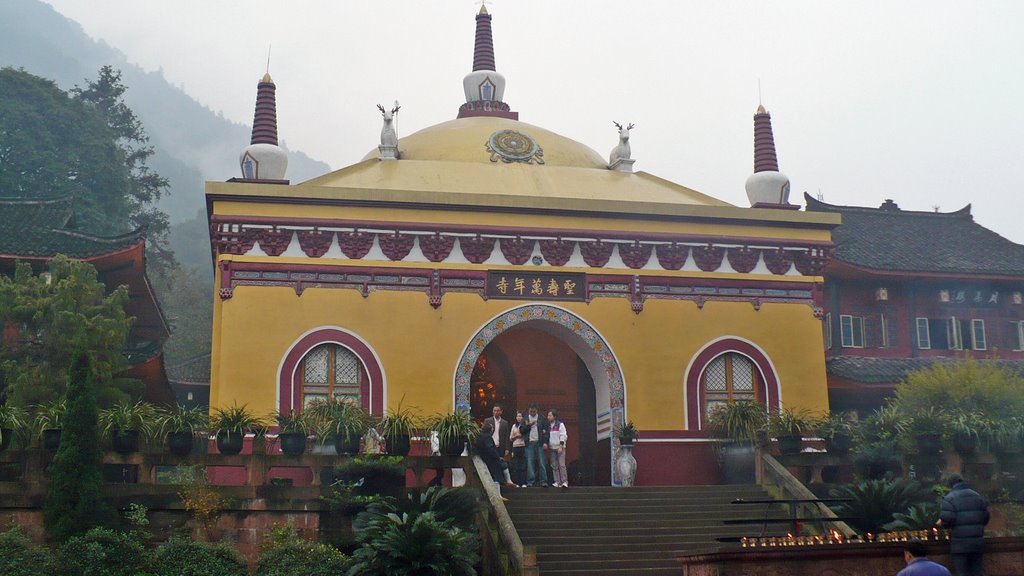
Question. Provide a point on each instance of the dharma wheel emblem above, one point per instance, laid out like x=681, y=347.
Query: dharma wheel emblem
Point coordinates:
x=511, y=146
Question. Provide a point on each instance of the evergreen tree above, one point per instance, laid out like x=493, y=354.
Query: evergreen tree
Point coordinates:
x=106, y=95
x=74, y=502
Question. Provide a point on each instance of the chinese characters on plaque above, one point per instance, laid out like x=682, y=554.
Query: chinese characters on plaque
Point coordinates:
x=522, y=285
x=978, y=297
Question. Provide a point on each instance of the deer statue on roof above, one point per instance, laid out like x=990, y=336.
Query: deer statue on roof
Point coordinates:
x=388, y=137
x=622, y=151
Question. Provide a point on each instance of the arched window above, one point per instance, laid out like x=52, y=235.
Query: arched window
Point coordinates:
x=331, y=370
x=728, y=378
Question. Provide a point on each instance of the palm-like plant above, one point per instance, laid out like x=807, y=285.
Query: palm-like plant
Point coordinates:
x=874, y=503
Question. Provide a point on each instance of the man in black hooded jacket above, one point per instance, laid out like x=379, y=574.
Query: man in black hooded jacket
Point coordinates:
x=965, y=512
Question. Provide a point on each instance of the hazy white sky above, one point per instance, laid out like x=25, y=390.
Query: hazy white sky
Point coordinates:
x=919, y=101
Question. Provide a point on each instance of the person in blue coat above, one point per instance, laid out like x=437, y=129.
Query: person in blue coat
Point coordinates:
x=965, y=513
x=918, y=563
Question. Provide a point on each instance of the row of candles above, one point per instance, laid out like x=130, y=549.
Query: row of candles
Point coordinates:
x=833, y=538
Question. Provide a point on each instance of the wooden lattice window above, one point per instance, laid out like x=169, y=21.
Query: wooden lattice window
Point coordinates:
x=728, y=378
x=331, y=370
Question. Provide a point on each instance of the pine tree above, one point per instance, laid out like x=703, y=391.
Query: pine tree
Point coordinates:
x=74, y=500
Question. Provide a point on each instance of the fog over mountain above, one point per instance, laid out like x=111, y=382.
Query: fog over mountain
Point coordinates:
x=193, y=143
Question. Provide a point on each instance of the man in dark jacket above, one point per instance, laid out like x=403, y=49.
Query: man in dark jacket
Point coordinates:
x=965, y=512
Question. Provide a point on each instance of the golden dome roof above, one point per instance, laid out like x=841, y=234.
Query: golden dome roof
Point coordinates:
x=466, y=140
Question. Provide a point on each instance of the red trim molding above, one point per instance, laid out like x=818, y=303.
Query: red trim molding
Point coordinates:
x=372, y=391
x=695, y=392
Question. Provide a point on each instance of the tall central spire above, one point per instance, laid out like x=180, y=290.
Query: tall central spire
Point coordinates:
x=263, y=159
x=765, y=159
x=484, y=87
x=766, y=187
x=483, y=51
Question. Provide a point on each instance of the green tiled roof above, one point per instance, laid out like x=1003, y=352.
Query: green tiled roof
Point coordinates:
x=894, y=370
x=891, y=239
x=45, y=227
x=193, y=370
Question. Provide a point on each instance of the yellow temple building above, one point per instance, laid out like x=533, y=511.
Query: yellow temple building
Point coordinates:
x=488, y=261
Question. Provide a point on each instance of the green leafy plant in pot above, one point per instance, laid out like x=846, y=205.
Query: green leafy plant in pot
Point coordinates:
x=627, y=433
x=739, y=422
x=1005, y=437
x=788, y=426
x=13, y=419
x=343, y=420
x=49, y=417
x=293, y=429
x=398, y=427
x=180, y=426
x=454, y=431
x=231, y=424
x=837, y=430
x=923, y=429
x=126, y=423
x=966, y=427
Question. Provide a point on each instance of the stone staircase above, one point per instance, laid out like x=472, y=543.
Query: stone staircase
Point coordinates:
x=601, y=531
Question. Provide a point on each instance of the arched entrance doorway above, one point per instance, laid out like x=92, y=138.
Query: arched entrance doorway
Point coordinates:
x=548, y=355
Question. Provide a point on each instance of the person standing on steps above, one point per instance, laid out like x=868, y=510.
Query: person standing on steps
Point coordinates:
x=518, y=439
x=536, y=443
x=965, y=512
x=488, y=452
x=556, y=450
x=502, y=440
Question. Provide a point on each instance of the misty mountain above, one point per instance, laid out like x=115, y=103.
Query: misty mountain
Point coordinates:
x=192, y=142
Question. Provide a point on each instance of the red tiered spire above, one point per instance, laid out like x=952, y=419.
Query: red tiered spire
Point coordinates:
x=483, y=50
x=765, y=159
x=264, y=123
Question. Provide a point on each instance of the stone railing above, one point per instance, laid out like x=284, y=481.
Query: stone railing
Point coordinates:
x=782, y=484
x=510, y=557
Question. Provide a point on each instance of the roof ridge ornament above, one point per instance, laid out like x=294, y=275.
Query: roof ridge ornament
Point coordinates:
x=620, y=159
x=388, y=136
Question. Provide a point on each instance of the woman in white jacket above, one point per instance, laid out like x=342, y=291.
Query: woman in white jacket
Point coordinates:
x=556, y=449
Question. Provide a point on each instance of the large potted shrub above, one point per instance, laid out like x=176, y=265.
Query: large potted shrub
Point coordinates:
x=788, y=427
x=126, y=423
x=837, y=429
x=738, y=422
x=454, y=431
x=48, y=421
x=231, y=424
x=12, y=419
x=180, y=426
x=398, y=427
x=292, y=431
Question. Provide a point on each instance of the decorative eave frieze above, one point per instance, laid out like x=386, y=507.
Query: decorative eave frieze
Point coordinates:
x=514, y=246
x=435, y=283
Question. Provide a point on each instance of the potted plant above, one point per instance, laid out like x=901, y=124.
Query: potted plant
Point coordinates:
x=627, y=433
x=788, y=427
x=230, y=425
x=293, y=430
x=398, y=427
x=1005, y=436
x=925, y=428
x=12, y=418
x=739, y=422
x=965, y=430
x=180, y=426
x=837, y=429
x=345, y=421
x=125, y=422
x=48, y=421
x=454, y=431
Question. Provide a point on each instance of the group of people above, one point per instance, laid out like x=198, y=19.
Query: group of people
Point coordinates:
x=518, y=453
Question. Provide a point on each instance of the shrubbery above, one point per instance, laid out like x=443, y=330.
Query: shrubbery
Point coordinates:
x=18, y=557
x=102, y=552
x=180, y=557
x=287, y=554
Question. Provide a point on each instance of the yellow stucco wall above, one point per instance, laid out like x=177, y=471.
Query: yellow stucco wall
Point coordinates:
x=419, y=346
